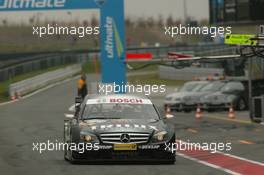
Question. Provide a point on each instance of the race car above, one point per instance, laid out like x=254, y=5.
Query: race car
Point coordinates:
x=117, y=128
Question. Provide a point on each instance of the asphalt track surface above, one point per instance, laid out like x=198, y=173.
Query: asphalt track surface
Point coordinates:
x=40, y=118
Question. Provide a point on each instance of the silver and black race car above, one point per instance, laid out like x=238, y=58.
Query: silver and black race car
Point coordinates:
x=117, y=128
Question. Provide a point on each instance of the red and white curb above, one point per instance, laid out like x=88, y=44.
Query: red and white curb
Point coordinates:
x=225, y=162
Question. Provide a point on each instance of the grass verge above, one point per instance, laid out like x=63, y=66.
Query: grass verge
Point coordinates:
x=90, y=67
x=144, y=67
x=154, y=79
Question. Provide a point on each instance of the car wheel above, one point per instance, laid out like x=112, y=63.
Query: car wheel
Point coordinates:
x=65, y=155
x=68, y=153
x=65, y=147
x=241, y=104
x=71, y=158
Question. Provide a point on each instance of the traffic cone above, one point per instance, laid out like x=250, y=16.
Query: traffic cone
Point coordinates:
x=198, y=113
x=13, y=98
x=18, y=95
x=231, y=112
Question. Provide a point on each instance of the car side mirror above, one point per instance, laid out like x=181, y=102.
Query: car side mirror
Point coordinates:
x=72, y=109
x=68, y=117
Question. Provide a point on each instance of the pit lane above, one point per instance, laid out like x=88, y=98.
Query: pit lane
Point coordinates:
x=40, y=118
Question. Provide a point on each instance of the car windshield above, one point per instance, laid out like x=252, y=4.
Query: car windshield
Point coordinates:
x=213, y=87
x=198, y=87
x=188, y=87
x=231, y=86
x=119, y=111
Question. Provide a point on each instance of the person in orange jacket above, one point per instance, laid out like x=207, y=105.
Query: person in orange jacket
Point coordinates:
x=82, y=86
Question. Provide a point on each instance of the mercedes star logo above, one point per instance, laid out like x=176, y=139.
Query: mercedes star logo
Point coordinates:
x=125, y=138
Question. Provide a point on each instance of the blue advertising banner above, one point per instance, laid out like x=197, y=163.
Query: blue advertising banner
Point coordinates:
x=113, y=42
x=27, y=5
x=112, y=29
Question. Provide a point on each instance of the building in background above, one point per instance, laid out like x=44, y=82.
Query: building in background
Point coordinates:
x=236, y=11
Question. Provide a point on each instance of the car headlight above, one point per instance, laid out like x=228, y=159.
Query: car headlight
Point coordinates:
x=160, y=136
x=88, y=137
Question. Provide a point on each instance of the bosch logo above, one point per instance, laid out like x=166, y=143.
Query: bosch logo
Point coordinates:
x=125, y=100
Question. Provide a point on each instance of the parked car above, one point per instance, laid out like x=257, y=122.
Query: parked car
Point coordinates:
x=233, y=94
x=192, y=100
x=175, y=100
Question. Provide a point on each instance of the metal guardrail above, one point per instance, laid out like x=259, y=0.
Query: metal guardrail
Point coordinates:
x=39, y=64
x=187, y=73
x=30, y=62
x=31, y=84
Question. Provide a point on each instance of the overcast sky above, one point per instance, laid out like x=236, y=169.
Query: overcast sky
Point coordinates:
x=134, y=8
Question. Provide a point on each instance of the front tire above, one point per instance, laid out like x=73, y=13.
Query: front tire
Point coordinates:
x=65, y=147
x=67, y=151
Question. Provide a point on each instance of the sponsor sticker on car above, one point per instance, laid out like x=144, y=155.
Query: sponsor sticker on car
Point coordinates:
x=125, y=147
x=119, y=100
